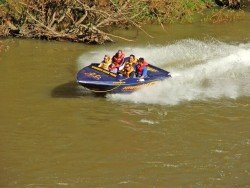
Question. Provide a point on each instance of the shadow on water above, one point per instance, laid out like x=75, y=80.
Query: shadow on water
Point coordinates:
x=72, y=90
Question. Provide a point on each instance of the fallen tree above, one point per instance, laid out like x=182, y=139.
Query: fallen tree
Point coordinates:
x=90, y=21
x=78, y=21
x=87, y=21
x=55, y=20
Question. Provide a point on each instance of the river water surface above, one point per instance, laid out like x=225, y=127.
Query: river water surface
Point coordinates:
x=189, y=131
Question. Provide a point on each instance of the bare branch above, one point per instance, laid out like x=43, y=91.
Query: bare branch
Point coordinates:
x=116, y=36
x=22, y=3
x=53, y=19
x=82, y=18
x=43, y=25
x=139, y=27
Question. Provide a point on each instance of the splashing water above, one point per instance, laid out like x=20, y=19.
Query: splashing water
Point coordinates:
x=200, y=70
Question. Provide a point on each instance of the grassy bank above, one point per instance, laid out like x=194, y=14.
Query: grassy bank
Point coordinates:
x=91, y=21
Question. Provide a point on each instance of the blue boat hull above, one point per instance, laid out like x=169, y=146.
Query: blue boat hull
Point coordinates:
x=99, y=80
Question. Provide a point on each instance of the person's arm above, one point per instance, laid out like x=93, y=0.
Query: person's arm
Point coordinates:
x=123, y=57
x=110, y=67
x=100, y=65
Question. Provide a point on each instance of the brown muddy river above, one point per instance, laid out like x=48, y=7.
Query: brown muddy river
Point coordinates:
x=188, y=131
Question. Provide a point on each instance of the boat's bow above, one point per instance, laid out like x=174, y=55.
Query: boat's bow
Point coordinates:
x=96, y=79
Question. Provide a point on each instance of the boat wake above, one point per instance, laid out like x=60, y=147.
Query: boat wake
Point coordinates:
x=201, y=70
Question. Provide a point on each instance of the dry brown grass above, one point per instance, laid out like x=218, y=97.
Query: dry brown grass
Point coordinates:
x=176, y=11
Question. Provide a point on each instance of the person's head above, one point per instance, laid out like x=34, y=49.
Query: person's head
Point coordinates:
x=131, y=57
x=106, y=58
x=127, y=67
x=119, y=53
x=141, y=60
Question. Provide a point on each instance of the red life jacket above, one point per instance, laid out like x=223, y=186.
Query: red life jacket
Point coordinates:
x=139, y=68
x=118, y=60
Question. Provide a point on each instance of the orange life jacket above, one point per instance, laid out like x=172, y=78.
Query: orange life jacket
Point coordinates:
x=126, y=72
x=105, y=64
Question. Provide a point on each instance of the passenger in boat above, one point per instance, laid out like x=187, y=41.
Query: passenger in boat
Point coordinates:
x=141, y=68
x=105, y=62
x=132, y=60
x=128, y=70
x=113, y=68
x=118, y=58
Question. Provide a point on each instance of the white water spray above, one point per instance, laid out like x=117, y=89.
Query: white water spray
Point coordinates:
x=200, y=70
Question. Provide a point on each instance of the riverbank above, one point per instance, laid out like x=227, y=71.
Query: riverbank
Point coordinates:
x=93, y=22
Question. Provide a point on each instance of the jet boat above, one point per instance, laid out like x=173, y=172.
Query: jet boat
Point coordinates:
x=99, y=80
